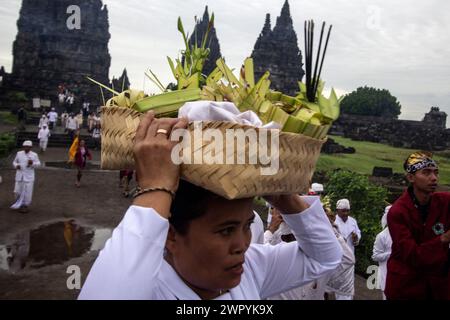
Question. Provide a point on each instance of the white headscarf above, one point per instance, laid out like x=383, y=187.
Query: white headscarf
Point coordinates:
x=343, y=204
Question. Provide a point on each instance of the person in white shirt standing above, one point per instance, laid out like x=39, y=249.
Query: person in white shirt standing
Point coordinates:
x=382, y=251
x=72, y=126
x=43, y=136
x=43, y=121
x=52, y=118
x=64, y=117
x=25, y=162
x=348, y=228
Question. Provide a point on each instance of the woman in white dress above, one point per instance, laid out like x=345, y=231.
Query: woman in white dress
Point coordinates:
x=196, y=245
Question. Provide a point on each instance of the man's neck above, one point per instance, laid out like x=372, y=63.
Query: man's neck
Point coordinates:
x=422, y=197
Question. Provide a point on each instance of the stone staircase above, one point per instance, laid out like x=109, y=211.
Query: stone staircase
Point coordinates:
x=56, y=140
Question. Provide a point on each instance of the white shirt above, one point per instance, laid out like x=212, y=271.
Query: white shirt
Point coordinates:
x=257, y=228
x=42, y=121
x=52, y=116
x=381, y=253
x=43, y=134
x=25, y=173
x=72, y=123
x=346, y=229
x=131, y=266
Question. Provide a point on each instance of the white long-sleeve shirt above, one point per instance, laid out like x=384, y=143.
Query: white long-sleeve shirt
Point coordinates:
x=25, y=173
x=43, y=134
x=381, y=253
x=131, y=266
x=72, y=124
x=347, y=228
x=43, y=122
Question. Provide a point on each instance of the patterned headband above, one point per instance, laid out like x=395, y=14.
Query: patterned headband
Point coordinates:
x=418, y=161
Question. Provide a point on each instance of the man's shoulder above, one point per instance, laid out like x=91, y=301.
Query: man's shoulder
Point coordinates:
x=352, y=219
x=442, y=196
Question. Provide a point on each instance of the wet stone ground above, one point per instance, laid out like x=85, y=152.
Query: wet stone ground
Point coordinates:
x=66, y=226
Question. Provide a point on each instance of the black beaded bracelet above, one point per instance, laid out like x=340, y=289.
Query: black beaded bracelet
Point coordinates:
x=139, y=191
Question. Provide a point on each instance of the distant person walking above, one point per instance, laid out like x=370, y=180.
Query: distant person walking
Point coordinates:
x=72, y=126
x=43, y=135
x=382, y=251
x=52, y=119
x=25, y=162
x=81, y=157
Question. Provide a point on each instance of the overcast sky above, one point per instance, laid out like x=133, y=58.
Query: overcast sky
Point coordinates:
x=401, y=45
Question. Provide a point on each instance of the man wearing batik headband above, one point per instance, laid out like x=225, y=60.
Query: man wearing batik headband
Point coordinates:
x=419, y=223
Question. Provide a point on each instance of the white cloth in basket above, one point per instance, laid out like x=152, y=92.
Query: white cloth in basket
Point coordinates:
x=222, y=111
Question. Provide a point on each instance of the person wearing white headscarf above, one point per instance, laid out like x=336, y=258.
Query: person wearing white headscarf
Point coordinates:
x=25, y=162
x=43, y=135
x=349, y=230
x=382, y=251
x=279, y=232
x=348, y=227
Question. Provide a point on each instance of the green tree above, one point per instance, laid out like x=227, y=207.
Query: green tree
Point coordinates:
x=369, y=101
x=367, y=203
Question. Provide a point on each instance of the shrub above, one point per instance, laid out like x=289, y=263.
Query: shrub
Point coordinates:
x=367, y=202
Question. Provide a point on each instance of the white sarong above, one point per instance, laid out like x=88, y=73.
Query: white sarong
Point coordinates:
x=24, y=193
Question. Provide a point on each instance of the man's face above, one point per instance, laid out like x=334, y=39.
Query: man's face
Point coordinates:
x=210, y=256
x=27, y=149
x=425, y=180
x=343, y=214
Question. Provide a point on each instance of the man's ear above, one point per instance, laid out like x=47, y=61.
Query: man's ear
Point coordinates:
x=171, y=240
x=410, y=177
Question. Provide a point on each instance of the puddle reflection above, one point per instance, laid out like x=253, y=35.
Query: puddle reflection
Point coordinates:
x=51, y=244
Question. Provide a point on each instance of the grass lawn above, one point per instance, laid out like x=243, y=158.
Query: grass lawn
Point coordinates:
x=369, y=155
x=8, y=118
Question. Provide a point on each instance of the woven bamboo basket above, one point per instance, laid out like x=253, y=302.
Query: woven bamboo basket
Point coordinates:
x=298, y=155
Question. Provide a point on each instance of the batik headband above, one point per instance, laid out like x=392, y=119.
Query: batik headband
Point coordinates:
x=418, y=161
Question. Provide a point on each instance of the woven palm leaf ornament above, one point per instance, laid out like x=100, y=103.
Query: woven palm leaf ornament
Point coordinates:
x=304, y=120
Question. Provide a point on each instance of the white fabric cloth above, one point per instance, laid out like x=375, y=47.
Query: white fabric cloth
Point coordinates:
x=381, y=253
x=257, y=228
x=275, y=238
x=43, y=135
x=96, y=133
x=384, y=218
x=347, y=228
x=343, y=297
x=23, y=188
x=221, y=111
x=43, y=121
x=26, y=172
x=131, y=266
x=52, y=116
x=79, y=118
x=317, y=187
x=43, y=144
x=342, y=280
x=343, y=204
x=24, y=194
x=72, y=124
x=311, y=291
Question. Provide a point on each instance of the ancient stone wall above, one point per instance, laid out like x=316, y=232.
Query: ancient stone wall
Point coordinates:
x=47, y=53
x=424, y=135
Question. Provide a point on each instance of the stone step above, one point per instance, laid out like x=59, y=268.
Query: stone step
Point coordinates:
x=56, y=140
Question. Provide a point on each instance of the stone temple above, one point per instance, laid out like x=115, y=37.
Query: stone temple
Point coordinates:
x=47, y=53
x=277, y=51
x=212, y=42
